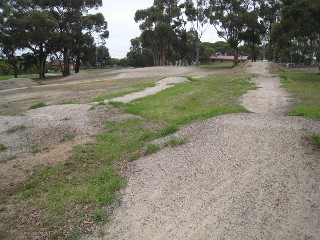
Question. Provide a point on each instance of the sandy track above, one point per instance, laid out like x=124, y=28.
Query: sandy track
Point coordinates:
x=241, y=176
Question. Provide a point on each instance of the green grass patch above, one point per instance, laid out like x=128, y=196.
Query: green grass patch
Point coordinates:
x=16, y=128
x=7, y=77
x=2, y=148
x=200, y=99
x=151, y=148
x=123, y=92
x=218, y=65
x=37, y=105
x=316, y=138
x=88, y=180
x=68, y=102
x=174, y=142
x=68, y=136
x=305, y=87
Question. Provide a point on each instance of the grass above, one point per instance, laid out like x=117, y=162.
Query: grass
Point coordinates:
x=7, y=77
x=316, y=138
x=2, y=148
x=305, y=87
x=83, y=187
x=186, y=102
x=16, y=129
x=218, y=65
x=119, y=93
x=174, y=142
x=68, y=136
x=37, y=105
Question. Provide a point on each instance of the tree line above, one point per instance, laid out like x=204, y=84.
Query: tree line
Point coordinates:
x=62, y=28
x=276, y=30
x=171, y=32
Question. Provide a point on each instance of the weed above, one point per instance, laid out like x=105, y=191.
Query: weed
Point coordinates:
x=151, y=148
x=174, y=142
x=8, y=158
x=316, y=138
x=16, y=129
x=35, y=149
x=134, y=157
x=68, y=136
x=168, y=130
x=2, y=148
x=100, y=215
x=37, y=105
x=69, y=102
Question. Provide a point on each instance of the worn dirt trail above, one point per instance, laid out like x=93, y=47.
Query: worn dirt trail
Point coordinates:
x=241, y=176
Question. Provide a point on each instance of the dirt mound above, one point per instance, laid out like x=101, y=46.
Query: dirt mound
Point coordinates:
x=17, y=83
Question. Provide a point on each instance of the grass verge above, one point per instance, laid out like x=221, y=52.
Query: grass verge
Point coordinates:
x=200, y=99
x=7, y=77
x=305, y=87
x=63, y=200
x=37, y=105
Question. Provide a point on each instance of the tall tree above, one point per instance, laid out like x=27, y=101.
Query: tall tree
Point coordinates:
x=161, y=18
x=197, y=14
x=228, y=18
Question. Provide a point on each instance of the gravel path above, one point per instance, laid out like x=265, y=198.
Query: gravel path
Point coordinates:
x=160, y=86
x=241, y=176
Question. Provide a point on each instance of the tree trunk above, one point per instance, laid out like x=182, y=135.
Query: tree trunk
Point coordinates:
x=66, y=69
x=235, y=54
x=197, y=51
x=15, y=70
x=77, y=67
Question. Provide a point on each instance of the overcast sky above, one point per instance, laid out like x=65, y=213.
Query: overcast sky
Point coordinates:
x=122, y=27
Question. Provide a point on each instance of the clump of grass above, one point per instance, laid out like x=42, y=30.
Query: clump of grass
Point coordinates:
x=168, y=130
x=2, y=148
x=100, y=215
x=151, y=148
x=37, y=105
x=35, y=149
x=68, y=136
x=68, y=102
x=134, y=157
x=16, y=129
x=174, y=142
x=7, y=159
x=316, y=138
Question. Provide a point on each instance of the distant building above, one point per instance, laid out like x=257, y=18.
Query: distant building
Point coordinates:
x=228, y=58
x=56, y=63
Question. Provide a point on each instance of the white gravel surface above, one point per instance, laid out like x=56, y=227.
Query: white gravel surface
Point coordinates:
x=241, y=176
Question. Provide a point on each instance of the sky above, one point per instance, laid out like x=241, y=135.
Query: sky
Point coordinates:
x=122, y=27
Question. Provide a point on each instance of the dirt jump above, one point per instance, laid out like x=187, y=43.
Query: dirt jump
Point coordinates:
x=241, y=176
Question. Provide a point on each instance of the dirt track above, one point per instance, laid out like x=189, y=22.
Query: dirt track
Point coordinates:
x=241, y=176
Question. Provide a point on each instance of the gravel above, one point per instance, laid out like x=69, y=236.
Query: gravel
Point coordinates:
x=240, y=176
x=160, y=86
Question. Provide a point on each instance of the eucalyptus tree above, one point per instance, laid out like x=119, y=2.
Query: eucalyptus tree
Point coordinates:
x=161, y=18
x=197, y=15
x=301, y=20
x=75, y=27
x=227, y=16
x=269, y=12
